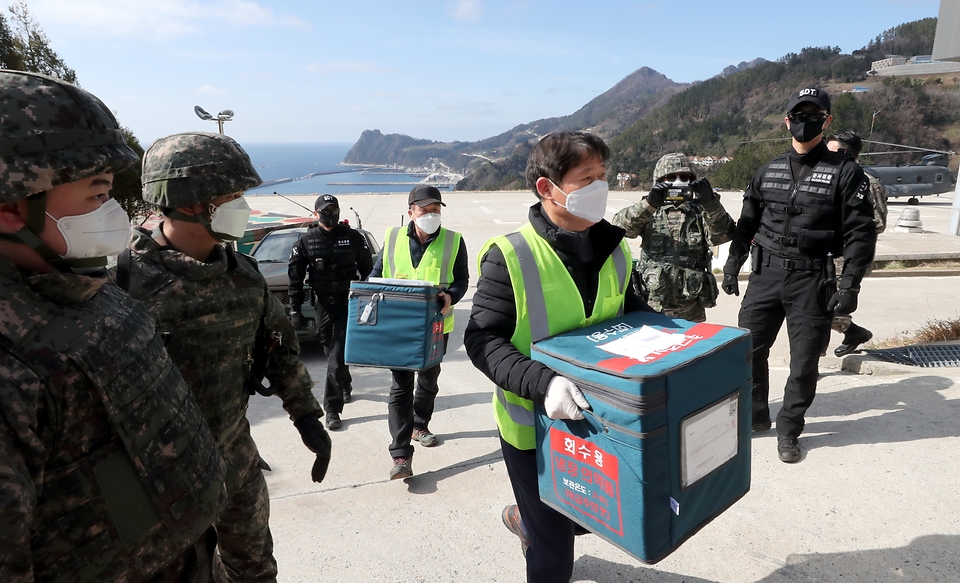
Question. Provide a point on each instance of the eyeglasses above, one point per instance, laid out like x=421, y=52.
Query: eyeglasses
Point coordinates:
x=682, y=176
x=805, y=116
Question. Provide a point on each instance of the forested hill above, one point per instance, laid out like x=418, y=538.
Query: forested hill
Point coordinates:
x=607, y=114
x=716, y=116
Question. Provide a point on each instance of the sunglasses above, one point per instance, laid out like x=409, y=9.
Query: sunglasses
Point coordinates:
x=330, y=210
x=802, y=117
x=682, y=176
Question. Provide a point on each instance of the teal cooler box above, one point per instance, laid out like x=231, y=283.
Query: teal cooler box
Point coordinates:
x=666, y=447
x=394, y=324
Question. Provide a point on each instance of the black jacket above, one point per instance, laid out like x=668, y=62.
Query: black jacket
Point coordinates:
x=493, y=318
x=851, y=217
x=333, y=259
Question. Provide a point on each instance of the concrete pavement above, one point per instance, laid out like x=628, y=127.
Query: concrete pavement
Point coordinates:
x=875, y=498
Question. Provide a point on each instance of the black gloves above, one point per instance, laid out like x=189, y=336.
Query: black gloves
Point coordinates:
x=704, y=191
x=316, y=439
x=730, y=285
x=298, y=321
x=657, y=194
x=843, y=302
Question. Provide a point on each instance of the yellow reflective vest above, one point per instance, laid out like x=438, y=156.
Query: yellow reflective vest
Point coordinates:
x=548, y=302
x=436, y=265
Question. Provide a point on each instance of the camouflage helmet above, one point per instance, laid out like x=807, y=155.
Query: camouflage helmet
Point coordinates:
x=53, y=133
x=194, y=168
x=673, y=163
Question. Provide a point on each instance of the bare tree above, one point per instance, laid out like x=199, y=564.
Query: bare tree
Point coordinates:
x=36, y=54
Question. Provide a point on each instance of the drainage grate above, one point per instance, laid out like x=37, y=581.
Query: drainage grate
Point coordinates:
x=924, y=355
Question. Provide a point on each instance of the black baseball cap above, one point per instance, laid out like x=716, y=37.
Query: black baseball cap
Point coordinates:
x=423, y=195
x=809, y=95
x=325, y=200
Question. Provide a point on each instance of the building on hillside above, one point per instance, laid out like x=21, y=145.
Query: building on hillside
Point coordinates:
x=895, y=65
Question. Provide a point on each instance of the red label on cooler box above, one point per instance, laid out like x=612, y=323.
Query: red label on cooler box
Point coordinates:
x=586, y=478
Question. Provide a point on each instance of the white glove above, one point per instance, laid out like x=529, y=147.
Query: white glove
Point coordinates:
x=564, y=400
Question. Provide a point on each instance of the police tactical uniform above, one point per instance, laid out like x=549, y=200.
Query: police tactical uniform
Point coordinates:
x=796, y=210
x=211, y=313
x=108, y=471
x=332, y=259
x=442, y=260
x=675, y=256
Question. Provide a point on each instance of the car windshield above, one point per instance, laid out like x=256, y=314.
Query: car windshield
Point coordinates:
x=275, y=247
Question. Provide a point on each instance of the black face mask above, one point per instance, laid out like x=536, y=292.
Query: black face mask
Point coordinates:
x=329, y=219
x=805, y=131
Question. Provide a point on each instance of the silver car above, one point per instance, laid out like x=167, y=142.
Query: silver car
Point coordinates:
x=273, y=256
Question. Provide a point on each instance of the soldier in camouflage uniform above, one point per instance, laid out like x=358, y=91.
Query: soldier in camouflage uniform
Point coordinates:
x=677, y=222
x=849, y=142
x=108, y=471
x=211, y=303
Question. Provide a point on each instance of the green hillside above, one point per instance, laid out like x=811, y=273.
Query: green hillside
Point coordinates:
x=724, y=116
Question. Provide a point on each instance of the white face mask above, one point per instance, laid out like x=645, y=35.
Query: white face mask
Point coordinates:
x=230, y=218
x=101, y=233
x=428, y=223
x=588, y=203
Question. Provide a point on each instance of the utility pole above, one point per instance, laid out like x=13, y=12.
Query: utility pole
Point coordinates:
x=870, y=139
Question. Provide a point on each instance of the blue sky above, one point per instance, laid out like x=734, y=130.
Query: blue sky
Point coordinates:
x=320, y=71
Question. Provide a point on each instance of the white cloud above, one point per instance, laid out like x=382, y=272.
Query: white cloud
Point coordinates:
x=345, y=67
x=211, y=90
x=467, y=10
x=160, y=18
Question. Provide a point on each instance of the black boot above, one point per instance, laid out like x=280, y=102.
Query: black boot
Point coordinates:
x=852, y=339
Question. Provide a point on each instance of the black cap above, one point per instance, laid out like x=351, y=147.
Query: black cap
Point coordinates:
x=325, y=200
x=811, y=95
x=423, y=195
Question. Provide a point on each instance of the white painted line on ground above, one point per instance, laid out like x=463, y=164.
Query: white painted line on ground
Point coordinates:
x=499, y=222
x=486, y=210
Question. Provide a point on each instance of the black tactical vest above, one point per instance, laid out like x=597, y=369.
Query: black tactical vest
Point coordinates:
x=136, y=502
x=800, y=220
x=210, y=326
x=332, y=260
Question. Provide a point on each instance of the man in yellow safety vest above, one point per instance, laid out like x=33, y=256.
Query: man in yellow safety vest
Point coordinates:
x=565, y=269
x=424, y=251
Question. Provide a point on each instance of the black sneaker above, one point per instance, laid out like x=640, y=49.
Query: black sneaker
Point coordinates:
x=347, y=397
x=333, y=421
x=762, y=425
x=852, y=341
x=788, y=448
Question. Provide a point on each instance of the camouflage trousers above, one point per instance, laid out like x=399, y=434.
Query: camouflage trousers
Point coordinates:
x=692, y=311
x=243, y=528
x=840, y=323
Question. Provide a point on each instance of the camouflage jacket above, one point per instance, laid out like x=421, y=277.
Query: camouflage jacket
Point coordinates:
x=675, y=254
x=58, y=436
x=686, y=231
x=210, y=313
x=879, y=200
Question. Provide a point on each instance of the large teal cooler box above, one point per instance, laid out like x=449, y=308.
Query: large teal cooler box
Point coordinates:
x=666, y=447
x=394, y=324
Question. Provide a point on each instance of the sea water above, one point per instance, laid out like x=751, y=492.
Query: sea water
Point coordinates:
x=293, y=164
